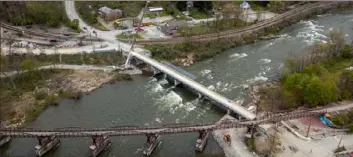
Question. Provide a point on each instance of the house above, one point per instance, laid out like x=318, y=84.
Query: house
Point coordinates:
x=109, y=14
x=171, y=26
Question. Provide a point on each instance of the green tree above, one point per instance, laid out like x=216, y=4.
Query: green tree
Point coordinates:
x=319, y=92
x=350, y=127
x=346, y=51
x=74, y=24
x=275, y=5
x=295, y=85
x=315, y=70
x=297, y=81
x=346, y=84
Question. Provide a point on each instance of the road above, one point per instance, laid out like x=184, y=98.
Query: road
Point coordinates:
x=72, y=14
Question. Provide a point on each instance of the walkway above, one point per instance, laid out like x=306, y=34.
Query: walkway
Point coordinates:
x=142, y=130
x=237, y=135
x=63, y=66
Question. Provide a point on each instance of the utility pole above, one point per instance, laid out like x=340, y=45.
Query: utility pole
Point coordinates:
x=307, y=133
x=339, y=143
x=134, y=36
x=273, y=140
x=139, y=25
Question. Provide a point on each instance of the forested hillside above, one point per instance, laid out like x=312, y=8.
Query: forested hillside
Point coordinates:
x=51, y=14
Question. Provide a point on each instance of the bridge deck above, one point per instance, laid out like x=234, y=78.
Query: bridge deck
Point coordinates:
x=142, y=130
x=197, y=86
x=178, y=69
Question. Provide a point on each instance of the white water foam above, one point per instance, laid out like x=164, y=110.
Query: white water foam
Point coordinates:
x=238, y=101
x=211, y=87
x=191, y=105
x=207, y=73
x=237, y=56
x=257, y=78
x=170, y=102
x=224, y=86
x=312, y=32
x=324, y=15
x=264, y=61
x=156, y=87
x=158, y=120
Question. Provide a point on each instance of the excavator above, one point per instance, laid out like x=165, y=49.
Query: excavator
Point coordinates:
x=227, y=139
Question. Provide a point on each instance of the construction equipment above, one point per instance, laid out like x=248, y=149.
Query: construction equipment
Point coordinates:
x=227, y=139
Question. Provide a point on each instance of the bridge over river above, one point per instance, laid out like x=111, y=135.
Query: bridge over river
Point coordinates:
x=218, y=99
x=49, y=138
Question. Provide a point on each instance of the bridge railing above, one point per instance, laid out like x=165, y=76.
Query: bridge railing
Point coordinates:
x=178, y=69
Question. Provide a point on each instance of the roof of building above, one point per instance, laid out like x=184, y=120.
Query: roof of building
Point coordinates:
x=152, y=9
x=172, y=25
x=245, y=5
x=106, y=9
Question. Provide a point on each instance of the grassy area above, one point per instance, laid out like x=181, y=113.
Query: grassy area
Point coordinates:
x=212, y=27
x=196, y=14
x=100, y=27
x=131, y=36
x=18, y=92
x=336, y=66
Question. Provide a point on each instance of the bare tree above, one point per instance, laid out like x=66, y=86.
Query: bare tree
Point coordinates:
x=228, y=12
x=336, y=38
x=254, y=94
x=10, y=40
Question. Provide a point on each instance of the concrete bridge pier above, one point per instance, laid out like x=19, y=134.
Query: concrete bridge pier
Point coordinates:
x=202, y=140
x=153, y=140
x=4, y=140
x=200, y=96
x=173, y=81
x=99, y=144
x=45, y=144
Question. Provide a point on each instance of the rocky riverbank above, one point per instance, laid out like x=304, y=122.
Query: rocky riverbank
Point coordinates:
x=70, y=84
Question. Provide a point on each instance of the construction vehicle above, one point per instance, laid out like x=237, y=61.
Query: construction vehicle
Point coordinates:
x=227, y=139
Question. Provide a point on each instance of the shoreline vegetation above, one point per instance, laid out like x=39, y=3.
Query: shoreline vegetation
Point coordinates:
x=190, y=51
x=24, y=96
x=322, y=76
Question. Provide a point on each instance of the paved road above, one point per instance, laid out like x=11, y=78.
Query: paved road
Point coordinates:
x=72, y=14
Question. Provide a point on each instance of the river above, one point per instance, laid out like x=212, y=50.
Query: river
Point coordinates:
x=146, y=101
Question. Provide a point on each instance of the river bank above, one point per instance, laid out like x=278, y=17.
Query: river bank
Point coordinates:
x=24, y=96
x=192, y=50
x=148, y=102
